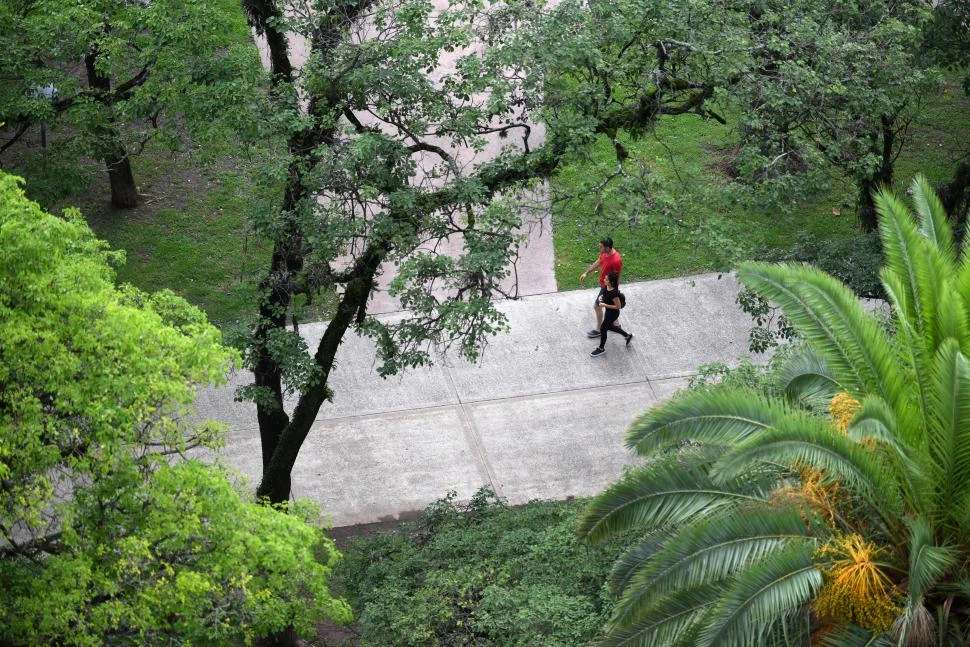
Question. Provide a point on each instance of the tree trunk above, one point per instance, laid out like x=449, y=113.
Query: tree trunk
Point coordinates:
x=124, y=193
x=285, y=638
x=268, y=376
x=276, y=482
x=280, y=436
x=868, y=218
x=955, y=197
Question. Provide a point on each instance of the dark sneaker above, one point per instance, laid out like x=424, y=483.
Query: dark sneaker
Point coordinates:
x=629, y=338
x=592, y=333
x=597, y=352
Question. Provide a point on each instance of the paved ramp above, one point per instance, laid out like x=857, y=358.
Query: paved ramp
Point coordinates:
x=537, y=417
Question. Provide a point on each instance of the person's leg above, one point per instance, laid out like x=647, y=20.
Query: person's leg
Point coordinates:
x=599, y=315
x=609, y=321
x=598, y=310
x=615, y=327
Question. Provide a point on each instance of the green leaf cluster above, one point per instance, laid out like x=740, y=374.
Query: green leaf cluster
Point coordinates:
x=480, y=573
x=171, y=65
x=108, y=532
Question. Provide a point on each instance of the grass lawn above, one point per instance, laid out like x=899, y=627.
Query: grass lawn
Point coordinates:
x=191, y=236
x=190, y=233
x=705, y=227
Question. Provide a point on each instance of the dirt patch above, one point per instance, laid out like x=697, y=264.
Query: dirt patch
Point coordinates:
x=723, y=158
x=165, y=180
x=333, y=635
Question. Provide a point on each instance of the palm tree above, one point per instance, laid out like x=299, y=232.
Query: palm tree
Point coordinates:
x=772, y=521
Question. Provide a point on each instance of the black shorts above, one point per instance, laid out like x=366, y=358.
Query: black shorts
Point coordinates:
x=599, y=293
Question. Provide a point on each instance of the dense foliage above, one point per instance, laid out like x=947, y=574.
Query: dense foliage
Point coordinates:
x=108, y=534
x=381, y=124
x=481, y=574
x=836, y=512
x=832, y=84
x=855, y=261
x=948, y=36
x=109, y=75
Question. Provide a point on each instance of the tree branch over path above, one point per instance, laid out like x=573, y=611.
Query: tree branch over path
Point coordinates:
x=386, y=82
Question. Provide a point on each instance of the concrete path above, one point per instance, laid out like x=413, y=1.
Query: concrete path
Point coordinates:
x=536, y=418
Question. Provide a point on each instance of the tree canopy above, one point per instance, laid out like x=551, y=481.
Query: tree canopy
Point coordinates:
x=376, y=169
x=112, y=74
x=108, y=533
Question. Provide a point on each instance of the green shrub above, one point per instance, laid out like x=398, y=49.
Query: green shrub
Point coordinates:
x=482, y=574
x=854, y=261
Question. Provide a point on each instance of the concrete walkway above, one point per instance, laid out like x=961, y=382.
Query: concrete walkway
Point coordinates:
x=536, y=418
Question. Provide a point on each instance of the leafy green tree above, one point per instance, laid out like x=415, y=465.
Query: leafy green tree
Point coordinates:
x=831, y=84
x=112, y=74
x=108, y=534
x=838, y=513
x=375, y=173
x=948, y=35
x=376, y=169
x=948, y=42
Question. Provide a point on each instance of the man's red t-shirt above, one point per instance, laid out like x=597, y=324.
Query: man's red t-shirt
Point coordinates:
x=610, y=262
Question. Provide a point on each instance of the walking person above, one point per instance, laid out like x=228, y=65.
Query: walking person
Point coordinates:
x=609, y=306
x=608, y=261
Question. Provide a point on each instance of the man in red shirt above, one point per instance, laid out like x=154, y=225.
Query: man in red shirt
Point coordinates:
x=609, y=261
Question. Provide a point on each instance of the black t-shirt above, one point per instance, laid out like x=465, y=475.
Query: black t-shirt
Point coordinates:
x=609, y=296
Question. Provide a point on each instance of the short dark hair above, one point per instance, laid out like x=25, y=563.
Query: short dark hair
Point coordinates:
x=607, y=242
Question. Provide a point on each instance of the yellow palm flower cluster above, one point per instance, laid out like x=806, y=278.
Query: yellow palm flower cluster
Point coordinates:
x=856, y=590
x=842, y=408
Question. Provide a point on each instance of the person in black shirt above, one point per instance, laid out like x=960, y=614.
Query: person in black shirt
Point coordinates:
x=610, y=303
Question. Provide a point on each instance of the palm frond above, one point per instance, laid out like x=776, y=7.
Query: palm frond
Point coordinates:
x=949, y=435
x=710, y=549
x=915, y=626
x=933, y=220
x=958, y=585
x=777, y=587
x=927, y=561
x=830, y=317
x=673, y=622
x=915, y=366
x=792, y=630
x=877, y=421
x=631, y=561
x=952, y=316
x=668, y=491
x=917, y=262
x=805, y=378
x=715, y=417
x=876, y=424
x=961, y=282
x=815, y=444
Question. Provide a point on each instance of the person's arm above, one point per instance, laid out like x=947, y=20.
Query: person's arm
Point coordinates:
x=591, y=268
x=616, y=304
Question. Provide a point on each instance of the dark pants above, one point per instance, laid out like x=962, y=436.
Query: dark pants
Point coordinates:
x=609, y=324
